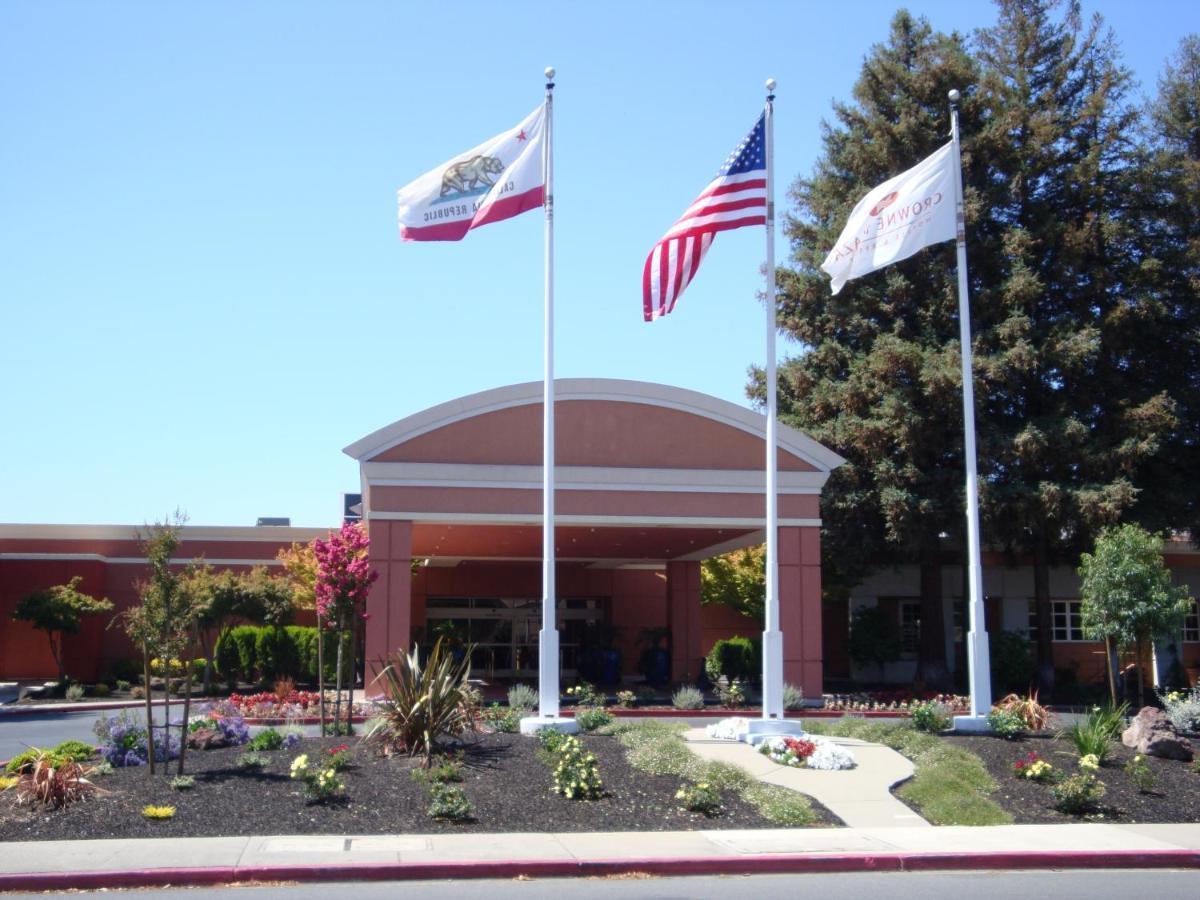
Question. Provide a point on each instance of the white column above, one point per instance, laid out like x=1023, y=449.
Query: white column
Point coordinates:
x=548, y=668
x=978, y=663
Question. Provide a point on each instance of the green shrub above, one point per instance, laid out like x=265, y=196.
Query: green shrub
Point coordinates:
x=687, y=697
x=576, y=772
x=501, y=718
x=276, y=654
x=183, y=782
x=1006, y=723
x=733, y=658
x=263, y=653
x=930, y=716
x=24, y=760
x=1138, y=771
x=267, y=739
x=793, y=697
x=101, y=690
x=591, y=718
x=549, y=739
x=626, y=699
x=523, y=697
x=701, y=798
x=251, y=761
x=77, y=751
x=448, y=803
x=445, y=767
x=1078, y=794
x=123, y=685
x=732, y=695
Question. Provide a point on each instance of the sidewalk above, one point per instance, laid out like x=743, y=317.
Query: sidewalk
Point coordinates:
x=55, y=865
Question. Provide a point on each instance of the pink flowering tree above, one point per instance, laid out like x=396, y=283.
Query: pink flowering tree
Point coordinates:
x=344, y=579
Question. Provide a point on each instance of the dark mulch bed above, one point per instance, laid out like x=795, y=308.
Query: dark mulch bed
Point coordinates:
x=509, y=789
x=1175, y=796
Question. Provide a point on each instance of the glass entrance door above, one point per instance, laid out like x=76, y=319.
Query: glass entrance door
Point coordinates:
x=504, y=631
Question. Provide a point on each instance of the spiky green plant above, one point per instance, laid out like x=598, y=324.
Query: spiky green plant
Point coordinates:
x=423, y=700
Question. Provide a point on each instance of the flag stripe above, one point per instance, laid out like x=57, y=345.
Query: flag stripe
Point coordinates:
x=736, y=198
x=502, y=209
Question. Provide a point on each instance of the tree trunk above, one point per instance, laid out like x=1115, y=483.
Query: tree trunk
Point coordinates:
x=337, y=700
x=56, y=652
x=1138, y=653
x=321, y=670
x=187, y=708
x=353, y=673
x=167, y=714
x=1108, y=663
x=149, y=708
x=1041, y=600
x=931, y=660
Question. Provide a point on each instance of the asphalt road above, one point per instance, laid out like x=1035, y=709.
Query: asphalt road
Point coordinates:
x=1162, y=885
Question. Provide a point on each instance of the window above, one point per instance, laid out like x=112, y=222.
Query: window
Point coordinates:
x=1067, y=621
x=1191, y=624
x=910, y=627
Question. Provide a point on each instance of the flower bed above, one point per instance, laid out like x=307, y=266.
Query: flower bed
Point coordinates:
x=810, y=753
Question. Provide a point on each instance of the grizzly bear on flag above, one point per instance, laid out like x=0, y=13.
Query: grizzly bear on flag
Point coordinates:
x=470, y=172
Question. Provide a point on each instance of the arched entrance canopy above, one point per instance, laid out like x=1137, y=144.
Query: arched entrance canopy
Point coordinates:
x=649, y=478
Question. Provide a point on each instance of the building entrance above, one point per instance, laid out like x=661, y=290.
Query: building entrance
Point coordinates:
x=504, y=631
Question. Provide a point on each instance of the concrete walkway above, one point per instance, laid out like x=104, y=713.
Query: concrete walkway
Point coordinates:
x=50, y=865
x=861, y=797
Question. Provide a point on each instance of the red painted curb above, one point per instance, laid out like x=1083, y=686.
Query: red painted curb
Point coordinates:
x=555, y=868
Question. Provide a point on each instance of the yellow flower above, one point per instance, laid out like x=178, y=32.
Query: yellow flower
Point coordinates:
x=158, y=812
x=1091, y=762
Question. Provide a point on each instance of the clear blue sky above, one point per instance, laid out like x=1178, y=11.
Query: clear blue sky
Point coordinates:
x=204, y=296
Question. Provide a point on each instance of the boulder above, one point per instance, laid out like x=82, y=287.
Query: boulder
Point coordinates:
x=1152, y=733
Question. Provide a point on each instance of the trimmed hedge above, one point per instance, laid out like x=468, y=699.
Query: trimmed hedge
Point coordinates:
x=263, y=653
x=735, y=657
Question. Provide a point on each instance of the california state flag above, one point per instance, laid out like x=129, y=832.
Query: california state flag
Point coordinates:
x=896, y=219
x=499, y=179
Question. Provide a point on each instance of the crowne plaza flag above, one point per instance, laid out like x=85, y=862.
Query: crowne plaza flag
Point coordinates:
x=499, y=179
x=896, y=219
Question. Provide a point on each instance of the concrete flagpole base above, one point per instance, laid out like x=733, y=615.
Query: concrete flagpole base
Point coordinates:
x=758, y=730
x=972, y=724
x=533, y=724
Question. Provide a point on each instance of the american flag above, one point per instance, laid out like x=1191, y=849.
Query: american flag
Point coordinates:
x=736, y=197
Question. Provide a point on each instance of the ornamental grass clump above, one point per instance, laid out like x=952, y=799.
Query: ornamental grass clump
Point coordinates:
x=576, y=772
x=687, y=697
x=793, y=697
x=1095, y=733
x=423, y=701
x=1033, y=714
x=54, y=782
x=183, y=782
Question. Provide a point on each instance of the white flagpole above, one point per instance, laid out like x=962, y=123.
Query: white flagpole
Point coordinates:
x=548, y=668
x=977, y=639
x=772, y=643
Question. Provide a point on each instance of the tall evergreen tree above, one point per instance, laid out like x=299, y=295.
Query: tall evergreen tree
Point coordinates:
x=1068, y=415
x=1171, y=274
x=879, y=378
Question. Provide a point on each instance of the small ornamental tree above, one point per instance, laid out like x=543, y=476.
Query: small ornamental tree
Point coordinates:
x=344, y=578
x=737, y=580
x=1128, y=598
x=58, y=611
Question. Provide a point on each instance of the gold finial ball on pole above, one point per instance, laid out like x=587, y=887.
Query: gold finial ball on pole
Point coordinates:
x=549, y=73
x=770, y=85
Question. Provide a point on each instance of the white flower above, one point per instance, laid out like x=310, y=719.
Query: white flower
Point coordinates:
x=830, y=757
x=727, y=729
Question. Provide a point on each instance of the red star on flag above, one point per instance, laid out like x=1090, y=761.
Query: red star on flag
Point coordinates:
x=521, y=135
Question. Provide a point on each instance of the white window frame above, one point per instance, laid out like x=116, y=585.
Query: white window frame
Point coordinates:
x=1072, y=611
x=1191, y=625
